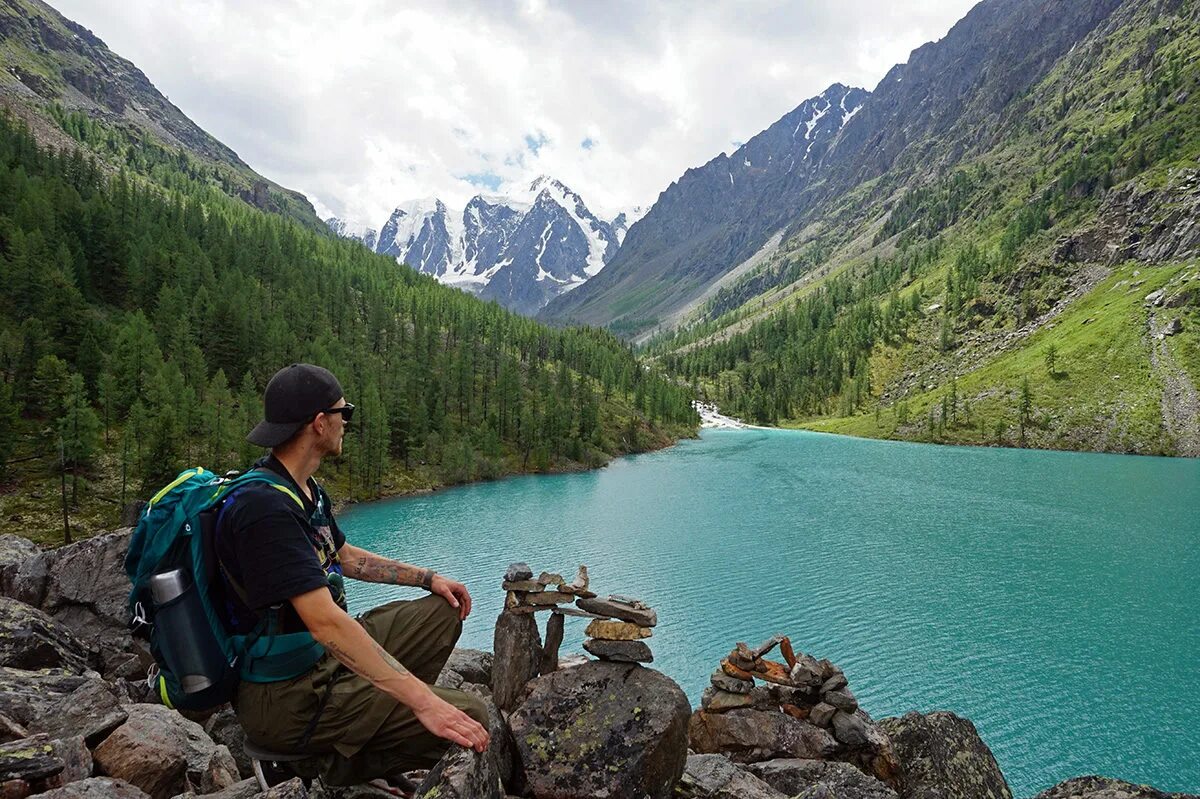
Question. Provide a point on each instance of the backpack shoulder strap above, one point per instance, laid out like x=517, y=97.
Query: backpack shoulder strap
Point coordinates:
x=262, y=476
x=231, y=488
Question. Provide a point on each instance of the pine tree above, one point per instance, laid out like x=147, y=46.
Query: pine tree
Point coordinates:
x=1024, y=408
x=8, y=425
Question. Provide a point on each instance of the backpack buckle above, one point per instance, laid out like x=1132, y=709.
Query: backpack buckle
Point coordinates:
x=139, y=619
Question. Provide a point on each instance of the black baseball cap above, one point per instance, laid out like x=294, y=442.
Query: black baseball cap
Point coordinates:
x=294, y=396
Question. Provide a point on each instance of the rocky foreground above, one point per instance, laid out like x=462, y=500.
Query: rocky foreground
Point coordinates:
x=77, y=721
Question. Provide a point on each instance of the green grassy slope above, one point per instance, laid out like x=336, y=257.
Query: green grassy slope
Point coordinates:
x=1008, y=244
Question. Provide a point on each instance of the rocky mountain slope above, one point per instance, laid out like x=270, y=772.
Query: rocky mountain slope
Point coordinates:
x=712, y=218
x=977, y=256
x=521, y=252
x=72, y=90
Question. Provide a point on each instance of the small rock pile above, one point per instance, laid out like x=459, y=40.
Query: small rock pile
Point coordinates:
x=548, y=592
x=806, y=709
x=619, y=631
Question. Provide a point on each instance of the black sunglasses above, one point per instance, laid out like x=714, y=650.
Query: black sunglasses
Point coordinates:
x=347, y=411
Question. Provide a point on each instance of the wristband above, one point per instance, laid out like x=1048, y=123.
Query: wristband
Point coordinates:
x=427, y=579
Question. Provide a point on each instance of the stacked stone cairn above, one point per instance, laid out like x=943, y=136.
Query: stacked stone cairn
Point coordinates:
x=618, y=632
x=804, y=709
x=521, y=655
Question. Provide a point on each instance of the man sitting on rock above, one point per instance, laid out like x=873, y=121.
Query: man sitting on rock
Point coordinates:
x=367, y=709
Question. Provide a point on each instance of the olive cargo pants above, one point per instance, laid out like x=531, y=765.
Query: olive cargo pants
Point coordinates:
x=362, y=732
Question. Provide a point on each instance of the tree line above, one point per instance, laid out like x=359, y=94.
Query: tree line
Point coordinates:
x=139, y=323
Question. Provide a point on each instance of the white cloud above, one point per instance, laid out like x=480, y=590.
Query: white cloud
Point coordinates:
x=373, y=103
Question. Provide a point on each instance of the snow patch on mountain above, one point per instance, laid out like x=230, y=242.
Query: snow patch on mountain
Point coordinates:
x=519, y=250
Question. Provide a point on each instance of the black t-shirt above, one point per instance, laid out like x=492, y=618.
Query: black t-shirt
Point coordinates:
x=274, y=550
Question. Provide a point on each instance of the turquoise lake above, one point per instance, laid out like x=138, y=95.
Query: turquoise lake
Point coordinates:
x=1051, y=598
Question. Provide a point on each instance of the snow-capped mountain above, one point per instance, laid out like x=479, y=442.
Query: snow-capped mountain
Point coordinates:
x=520, y=251
x=353, y=230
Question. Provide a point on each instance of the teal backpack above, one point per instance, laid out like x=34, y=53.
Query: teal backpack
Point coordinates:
x=177, y=530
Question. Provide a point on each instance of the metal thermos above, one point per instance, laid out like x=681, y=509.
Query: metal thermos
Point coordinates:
x=183, y=631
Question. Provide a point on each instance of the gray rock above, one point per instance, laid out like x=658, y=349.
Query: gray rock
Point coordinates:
x=462, y=774
x=602, y=729
x=91, y=710
x=942, y=757
x=877, y=757
x=746, y=736
x=224, y=728
x=620, y=651
x=794, y=776
x=40, y=763
x=834, y=683
x=517, y=572
x=842, y=699
x=850, y=729
x=14, y=550
x=502, y=749
x=1093, y=787
x=715, y=777
x=239, y=790
x=554, y=639
x=822, y=714
x=807, y=671
x=26, y=696
x=645, y=617
x=100, y=788
x=518, y=647
x=1173, y=327
x=10, y=730
x=1156, y=297
x=715, y=700
x=733, y=685
x=292, y=789
x=84, y=586
x=449, y=679
x=80, y=580
x=30, y=639
x=474, y=665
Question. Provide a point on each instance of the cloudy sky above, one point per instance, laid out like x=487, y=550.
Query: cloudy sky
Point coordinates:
x=363, y=105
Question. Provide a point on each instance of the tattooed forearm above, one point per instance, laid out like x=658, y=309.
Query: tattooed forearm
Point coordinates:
x=365, y=670
x=372, y=568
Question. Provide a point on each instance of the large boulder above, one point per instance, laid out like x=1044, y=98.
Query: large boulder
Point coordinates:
x=716, y=777
x=40, y=763
x=502, y=749
x=84, y=586
x=518, y=647
x=942, y=757
x=224, y=728
x=96, y=788
x=795, y=776
x=91, y=710
x=1093, y=787
x=601, y=729
x=26, y=696
x=78, y=581
x=30, y=639
x=747, y=736
x=462, y=774
x=14, y=550
x=164, y=754
x=473, y=665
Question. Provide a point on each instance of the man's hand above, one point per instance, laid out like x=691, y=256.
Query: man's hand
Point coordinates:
x=454, y=593
x=346, y=640
x=446, y=721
